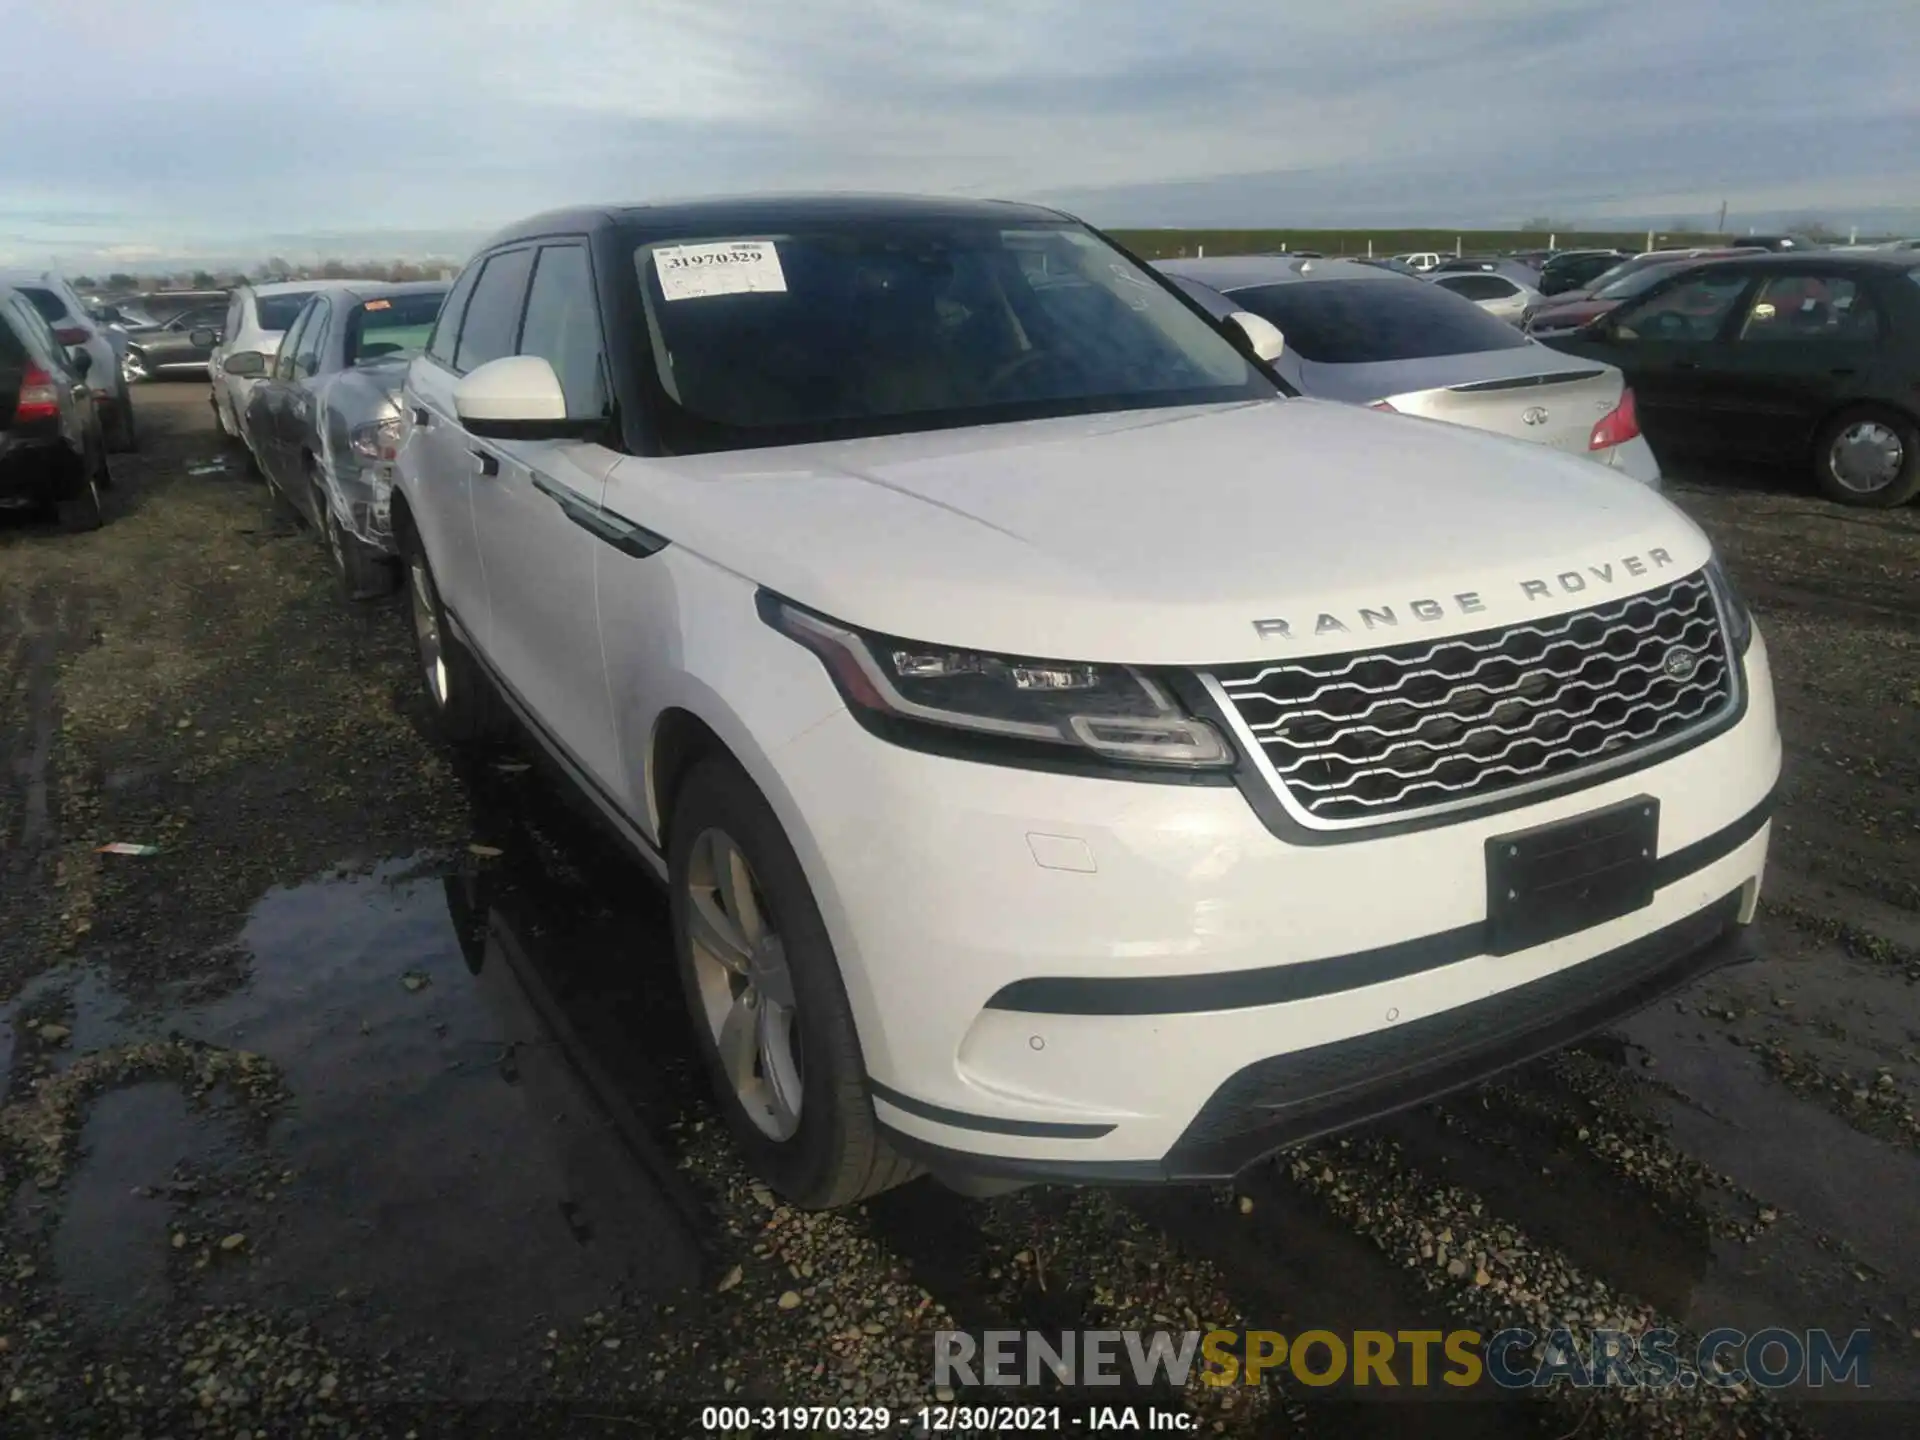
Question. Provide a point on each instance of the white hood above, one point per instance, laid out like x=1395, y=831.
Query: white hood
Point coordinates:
x=1161, y=537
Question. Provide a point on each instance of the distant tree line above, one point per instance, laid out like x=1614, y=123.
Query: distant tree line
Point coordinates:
x=274, y=268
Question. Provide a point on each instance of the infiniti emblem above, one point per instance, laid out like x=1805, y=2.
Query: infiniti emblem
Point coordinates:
x=1534, y=415
x=1679, y=664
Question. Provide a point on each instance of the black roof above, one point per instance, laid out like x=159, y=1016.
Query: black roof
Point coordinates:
x=762, y=212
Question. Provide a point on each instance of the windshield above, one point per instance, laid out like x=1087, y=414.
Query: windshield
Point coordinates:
x=880, y=327
x=392, y=325
x=277, y=312
x=1640, y=281
x=1360, y=322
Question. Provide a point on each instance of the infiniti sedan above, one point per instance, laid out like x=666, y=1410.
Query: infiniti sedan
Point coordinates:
x=1370, y=337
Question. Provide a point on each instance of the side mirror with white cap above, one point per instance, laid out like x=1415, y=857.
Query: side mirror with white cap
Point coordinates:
x=517, y=397
x=1262, y=335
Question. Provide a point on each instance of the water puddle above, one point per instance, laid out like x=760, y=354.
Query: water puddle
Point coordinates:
x=483, y=1063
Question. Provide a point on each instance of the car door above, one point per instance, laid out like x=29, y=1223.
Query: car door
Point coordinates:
x=1804, y=342
x=1670, y=342
x=534, y=504
x=267, y=404
x=294, y=415
x=438, y=468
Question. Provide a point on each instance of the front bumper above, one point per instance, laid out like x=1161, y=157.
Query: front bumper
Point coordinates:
x=1064, y=977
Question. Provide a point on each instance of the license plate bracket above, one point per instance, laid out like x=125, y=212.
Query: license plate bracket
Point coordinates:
x=1570, y=875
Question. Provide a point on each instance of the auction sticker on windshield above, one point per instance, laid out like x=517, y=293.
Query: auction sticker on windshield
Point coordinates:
x=731, y=267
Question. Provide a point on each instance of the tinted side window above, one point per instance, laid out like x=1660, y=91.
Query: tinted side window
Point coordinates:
x=13, y=350
x=446, y=332
x=51, y=307
x=491, y=327
x=1477, y=287
x=1810, y=307
x=563, y=327
x=1692, y=309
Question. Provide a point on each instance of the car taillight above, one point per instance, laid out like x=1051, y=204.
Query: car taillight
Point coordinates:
x=1617, y=426
x=1382, y=405
x=73, y=334
x=39, y=397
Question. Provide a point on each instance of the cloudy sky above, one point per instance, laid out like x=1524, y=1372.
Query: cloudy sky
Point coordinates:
x=136, y=129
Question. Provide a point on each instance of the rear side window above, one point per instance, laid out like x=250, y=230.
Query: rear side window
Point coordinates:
x=446, y=331
x=1810, y=307
x=277, y=312
x=1478, y=287
x=1691, y=309
x=491, y=327
x=1364, y=322
x=13, y=354
x=51, y=307
x=563, y=327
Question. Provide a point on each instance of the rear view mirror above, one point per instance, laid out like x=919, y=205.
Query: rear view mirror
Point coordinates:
x=247, y=364
x=204, y=338
x=517, y=397
x=1263, y=336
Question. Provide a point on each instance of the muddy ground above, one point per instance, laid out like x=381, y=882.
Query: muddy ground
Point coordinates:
x=324, y=1121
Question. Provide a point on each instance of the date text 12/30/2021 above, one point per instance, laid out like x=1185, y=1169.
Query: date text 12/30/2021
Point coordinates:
x=968, y=1420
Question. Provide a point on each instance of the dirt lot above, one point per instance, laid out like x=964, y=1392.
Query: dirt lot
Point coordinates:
x=364, y=1107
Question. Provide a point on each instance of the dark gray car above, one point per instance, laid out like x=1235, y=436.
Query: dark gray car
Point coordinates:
x=325, y=420
x=177, y=347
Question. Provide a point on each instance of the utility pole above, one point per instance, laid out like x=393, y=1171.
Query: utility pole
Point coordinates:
x=1720, y=225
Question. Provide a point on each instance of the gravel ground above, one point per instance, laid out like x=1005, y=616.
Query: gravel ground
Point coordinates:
x=364, y=1106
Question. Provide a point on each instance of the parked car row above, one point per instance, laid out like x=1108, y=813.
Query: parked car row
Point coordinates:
x=1814, y=354
x=1023, y=695
x=53, y=435
x=66, y=314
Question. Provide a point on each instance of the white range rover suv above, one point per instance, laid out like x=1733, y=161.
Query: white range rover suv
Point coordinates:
x=1070, y=756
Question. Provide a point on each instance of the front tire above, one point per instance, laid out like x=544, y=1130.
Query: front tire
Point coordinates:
x=1868, y=456
x=769, y=1010
x=362, y=571
x=464, y=706
x=126, y=434
x=87, y=509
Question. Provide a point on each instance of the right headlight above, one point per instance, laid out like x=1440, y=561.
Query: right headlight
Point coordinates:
x=1022, y=707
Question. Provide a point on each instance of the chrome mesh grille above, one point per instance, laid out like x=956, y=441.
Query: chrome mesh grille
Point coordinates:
x=1386, y=733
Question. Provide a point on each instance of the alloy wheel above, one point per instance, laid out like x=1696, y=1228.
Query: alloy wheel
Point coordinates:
x=746, y=987
x=426, y=630
x=1867, y=456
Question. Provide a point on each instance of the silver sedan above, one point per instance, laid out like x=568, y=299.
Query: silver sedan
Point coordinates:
x=325, y=420
x=1366, y=336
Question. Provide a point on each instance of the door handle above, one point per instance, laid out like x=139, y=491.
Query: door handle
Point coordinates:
x=1844, y=372
x=423, y=417
x=484, y=463
x=1686, y=364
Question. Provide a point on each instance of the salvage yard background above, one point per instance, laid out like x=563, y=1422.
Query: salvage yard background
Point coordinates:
x=370, y=1092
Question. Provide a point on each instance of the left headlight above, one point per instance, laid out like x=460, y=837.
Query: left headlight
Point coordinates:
x=1733, y=606
x=1111, y=713
x=378, y=441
